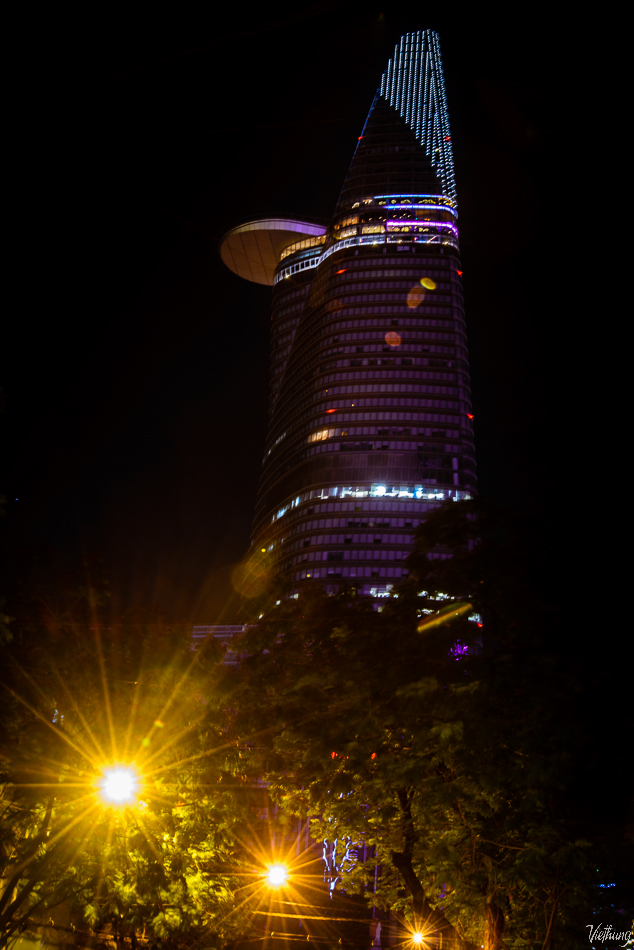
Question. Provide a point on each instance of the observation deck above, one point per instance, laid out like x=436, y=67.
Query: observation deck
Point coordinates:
x=254, y=249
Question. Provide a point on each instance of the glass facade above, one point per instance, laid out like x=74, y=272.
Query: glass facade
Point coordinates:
x=370, y=413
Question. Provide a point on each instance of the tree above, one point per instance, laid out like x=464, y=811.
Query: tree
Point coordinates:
x=80, y=693
x=452, y=749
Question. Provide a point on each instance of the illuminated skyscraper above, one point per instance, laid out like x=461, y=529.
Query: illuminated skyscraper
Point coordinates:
x=370, y=412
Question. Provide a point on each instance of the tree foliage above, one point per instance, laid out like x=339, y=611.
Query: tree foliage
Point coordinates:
x=461, y=768
x=80, y=693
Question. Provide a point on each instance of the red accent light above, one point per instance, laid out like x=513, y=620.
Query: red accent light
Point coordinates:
x=334, y=410
x=447, y=138
x=373, y=756
x=459, y=273
x=469, y=416
x=479, y=624
x=359, y=139
x=342, y=271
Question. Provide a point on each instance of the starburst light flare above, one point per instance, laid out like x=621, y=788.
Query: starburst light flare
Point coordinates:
x=119, y=785
x=276, y=875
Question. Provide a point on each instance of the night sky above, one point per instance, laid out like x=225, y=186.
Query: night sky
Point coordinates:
x=135, y=365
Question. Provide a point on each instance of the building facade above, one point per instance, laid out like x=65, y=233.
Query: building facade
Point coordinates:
x=370, y=419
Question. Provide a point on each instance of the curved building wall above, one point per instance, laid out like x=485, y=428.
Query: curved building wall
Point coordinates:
x=370, y=425
x=370, y=408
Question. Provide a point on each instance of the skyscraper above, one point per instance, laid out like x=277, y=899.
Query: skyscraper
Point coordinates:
x=370, y=413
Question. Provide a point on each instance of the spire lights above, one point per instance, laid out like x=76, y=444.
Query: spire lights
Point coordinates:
x=414, y=84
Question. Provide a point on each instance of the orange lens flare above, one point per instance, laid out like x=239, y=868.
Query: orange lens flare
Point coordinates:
x=392, y=339
x=415, y=297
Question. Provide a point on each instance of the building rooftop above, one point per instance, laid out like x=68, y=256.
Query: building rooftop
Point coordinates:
x=253, y=250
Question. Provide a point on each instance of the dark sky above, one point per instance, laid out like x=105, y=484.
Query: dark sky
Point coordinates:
x=134, y=364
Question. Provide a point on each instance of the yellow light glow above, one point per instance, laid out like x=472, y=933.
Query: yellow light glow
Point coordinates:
x=276, y=875
x=428, y=283
x=119, y=785
x=445, y=615
x=417, y=938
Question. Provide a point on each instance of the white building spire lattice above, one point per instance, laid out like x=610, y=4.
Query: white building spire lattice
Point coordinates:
x=414, y=84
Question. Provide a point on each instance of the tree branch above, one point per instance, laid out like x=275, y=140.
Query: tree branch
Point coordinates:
x=402, y=861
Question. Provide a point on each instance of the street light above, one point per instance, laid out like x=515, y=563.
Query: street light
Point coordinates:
x=276, y=875
x=417, y=938
x=119, y=785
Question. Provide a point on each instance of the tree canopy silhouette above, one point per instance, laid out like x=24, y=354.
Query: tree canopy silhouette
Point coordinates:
x=453, y=742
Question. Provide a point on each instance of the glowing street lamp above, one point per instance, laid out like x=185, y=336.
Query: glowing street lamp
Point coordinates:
x=276, y=875
x=119, y=785
x=417, y=938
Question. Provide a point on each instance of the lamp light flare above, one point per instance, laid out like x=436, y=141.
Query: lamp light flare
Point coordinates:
x=276, y=875
x=119, y=785
x=417, y=938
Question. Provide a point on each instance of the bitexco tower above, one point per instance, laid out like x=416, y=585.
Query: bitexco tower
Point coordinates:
x=370, y=411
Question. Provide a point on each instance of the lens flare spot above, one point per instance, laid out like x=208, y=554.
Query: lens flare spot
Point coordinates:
x=417, y=938
x=428, y=283
x=415, y=297
x=159, y=724
x=392, y=338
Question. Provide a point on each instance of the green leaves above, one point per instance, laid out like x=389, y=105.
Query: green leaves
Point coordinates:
x=119, y=692
x=457, y=767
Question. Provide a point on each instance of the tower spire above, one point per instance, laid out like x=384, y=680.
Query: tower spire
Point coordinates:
x=414, y=84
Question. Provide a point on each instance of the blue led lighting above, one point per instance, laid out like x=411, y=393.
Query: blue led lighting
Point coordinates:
x=400, y=237
x=414, y=84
